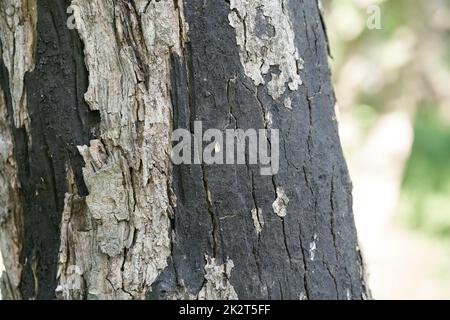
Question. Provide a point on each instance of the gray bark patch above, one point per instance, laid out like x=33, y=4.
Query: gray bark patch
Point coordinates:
x=128, y=45
x=265, y=37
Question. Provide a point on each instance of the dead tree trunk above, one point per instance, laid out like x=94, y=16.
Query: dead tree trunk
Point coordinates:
x=91, y=205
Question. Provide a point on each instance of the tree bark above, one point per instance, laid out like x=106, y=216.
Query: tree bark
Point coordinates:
x=91, y=207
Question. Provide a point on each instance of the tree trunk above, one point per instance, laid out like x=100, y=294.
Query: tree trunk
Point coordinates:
x=91, y=204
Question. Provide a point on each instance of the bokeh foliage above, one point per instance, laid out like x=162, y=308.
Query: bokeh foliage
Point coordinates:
x=405, y=65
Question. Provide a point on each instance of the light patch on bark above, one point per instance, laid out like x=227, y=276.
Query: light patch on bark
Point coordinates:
x=18, y=37
x=108, y=203
x=265, y=36
x=281, y=202
x=258, y=220
x=288, y=103
x=303, y=296
x=122, y=240
x=268, y=119
x=76, y=236
x=217, y=285
x=313, y=248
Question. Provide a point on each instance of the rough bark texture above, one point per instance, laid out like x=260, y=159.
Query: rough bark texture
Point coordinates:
x=91, y=206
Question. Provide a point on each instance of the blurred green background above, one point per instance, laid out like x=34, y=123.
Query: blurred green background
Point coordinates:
x=393, y=89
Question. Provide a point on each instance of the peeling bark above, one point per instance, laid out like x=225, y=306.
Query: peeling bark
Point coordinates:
x=281, y=202
x=92, y=207
x=44, y=144
x=17, y=42
x=127, y=172
x=18, y=24
x=265, y=35
x=10, y=210
x=217, y=285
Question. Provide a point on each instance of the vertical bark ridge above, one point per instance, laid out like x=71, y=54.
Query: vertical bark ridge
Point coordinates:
x=17, y=42
x=45, y=145
x=121, y=240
